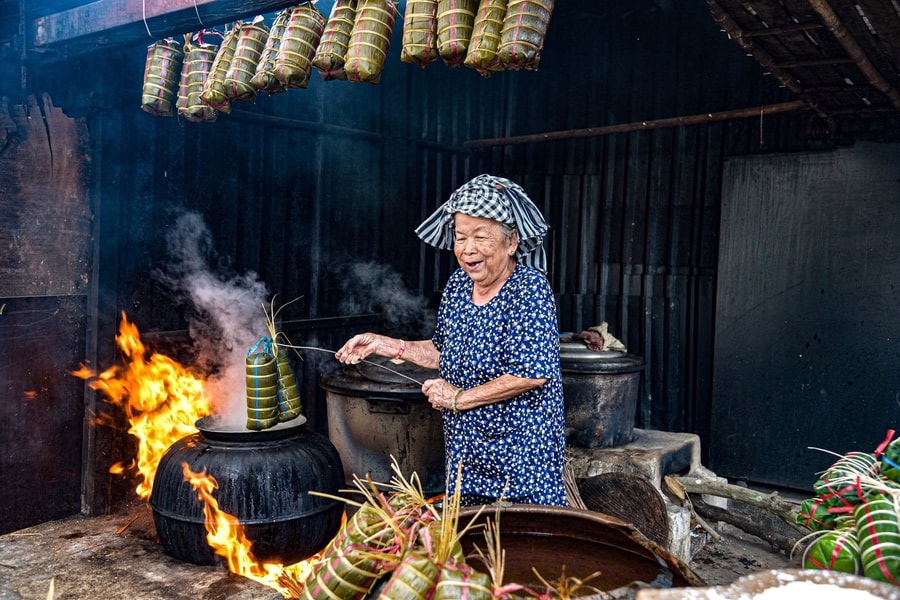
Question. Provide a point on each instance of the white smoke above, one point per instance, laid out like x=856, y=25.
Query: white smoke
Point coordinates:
x=228, y=317
x=370, y=288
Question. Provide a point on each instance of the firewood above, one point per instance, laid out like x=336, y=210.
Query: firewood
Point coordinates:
x=771, y=503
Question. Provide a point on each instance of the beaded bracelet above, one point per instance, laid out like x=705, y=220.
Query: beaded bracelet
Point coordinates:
x=401, y=351
x=453, y=400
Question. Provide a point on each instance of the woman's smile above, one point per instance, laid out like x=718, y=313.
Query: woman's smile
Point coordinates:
x=484, y=251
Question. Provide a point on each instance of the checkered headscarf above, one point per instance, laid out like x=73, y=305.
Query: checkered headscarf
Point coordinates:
x=494, y=198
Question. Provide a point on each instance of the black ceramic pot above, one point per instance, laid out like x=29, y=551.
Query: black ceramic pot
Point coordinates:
x=264, y=480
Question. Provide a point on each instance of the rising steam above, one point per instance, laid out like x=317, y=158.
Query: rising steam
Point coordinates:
x=373, y=288
x=227, y=319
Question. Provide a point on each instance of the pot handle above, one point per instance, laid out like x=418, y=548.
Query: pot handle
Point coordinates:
x=388, y=406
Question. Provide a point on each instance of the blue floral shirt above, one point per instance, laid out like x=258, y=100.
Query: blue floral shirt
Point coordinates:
x=514, y=448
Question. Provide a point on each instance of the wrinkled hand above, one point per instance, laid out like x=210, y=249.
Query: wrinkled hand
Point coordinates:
x=439, y=393
x=357, y=348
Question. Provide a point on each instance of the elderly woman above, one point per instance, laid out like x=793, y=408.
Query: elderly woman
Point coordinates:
x=496, y=345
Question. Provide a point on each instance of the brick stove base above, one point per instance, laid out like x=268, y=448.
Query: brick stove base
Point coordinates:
x=653, y=455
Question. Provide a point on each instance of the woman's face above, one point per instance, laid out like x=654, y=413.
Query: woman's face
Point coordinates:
x=483, y=249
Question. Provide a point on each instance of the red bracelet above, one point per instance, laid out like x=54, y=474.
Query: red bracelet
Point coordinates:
x=402, y=349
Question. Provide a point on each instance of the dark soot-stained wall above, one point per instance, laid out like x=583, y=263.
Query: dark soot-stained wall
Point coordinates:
x=317, y=192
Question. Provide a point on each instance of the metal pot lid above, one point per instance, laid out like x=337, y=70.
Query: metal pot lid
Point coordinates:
x=215, y=429
x=577, y=356
x=356, y=381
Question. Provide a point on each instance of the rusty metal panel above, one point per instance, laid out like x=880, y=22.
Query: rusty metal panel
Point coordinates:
x=45, y=215
x=42, y=411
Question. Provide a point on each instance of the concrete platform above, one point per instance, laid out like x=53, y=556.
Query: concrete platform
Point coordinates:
x=87, y=558
x=653, y=455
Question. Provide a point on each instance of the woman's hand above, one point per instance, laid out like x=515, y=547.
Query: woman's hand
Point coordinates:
x=439, y=393
x=357, y=348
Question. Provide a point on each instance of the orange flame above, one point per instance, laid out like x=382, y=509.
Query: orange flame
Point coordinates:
x=226, y=537
x=161, y=399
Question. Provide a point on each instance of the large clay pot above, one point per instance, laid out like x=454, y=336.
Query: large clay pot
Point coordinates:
x=264, y=480
x=607, y=552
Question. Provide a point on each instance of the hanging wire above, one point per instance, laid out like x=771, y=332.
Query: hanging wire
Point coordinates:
x=144, y=15
x=197, y=10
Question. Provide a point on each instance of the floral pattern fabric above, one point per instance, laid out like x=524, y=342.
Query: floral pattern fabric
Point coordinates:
x=514, y=448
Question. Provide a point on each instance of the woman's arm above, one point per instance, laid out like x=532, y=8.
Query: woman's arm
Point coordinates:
x=357, y=348
x=441, y=393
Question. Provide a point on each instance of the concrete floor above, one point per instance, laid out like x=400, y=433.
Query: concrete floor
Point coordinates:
x=89, y=558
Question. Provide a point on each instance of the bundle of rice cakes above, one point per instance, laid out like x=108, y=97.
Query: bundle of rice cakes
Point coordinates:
x=523, y=32
x=251, y=41
x=214, y=92
x=482, y=54
x=194, y=75
x=455, y=21
x=396, y=546
x=420, y=32
x=265, y=79
x=855, y=515
x=370, y=40
x=302, y=35
x=272, y=393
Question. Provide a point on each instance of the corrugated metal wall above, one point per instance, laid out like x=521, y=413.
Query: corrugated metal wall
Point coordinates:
x=303, y=187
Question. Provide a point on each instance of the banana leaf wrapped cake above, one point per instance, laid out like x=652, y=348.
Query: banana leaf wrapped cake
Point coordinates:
x=162, y=74
x=370, y=40
x=331, y=52
x=265, y=78
x=214, y=92
x=197, y=67
x=523, y=33
x=420, y=32
x=242, y=69
x=482, y=54
x=855, y=516
x=302, y=35
x=455, y=21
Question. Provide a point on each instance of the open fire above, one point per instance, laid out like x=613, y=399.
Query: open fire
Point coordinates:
x=162, y=401
x=226, y=537
x=161, y=398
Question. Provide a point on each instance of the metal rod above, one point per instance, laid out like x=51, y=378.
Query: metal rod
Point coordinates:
x=368, y=362
x=742, y=113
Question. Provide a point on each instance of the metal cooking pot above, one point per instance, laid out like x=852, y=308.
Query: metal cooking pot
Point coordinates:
x=264, y=479
x=600, y=390
x=375, y=414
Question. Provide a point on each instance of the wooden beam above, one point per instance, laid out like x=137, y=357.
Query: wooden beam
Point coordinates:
x=834, y=25
x=112, y=23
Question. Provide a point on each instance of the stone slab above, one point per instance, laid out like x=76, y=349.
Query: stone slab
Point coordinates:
x=652, y=454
